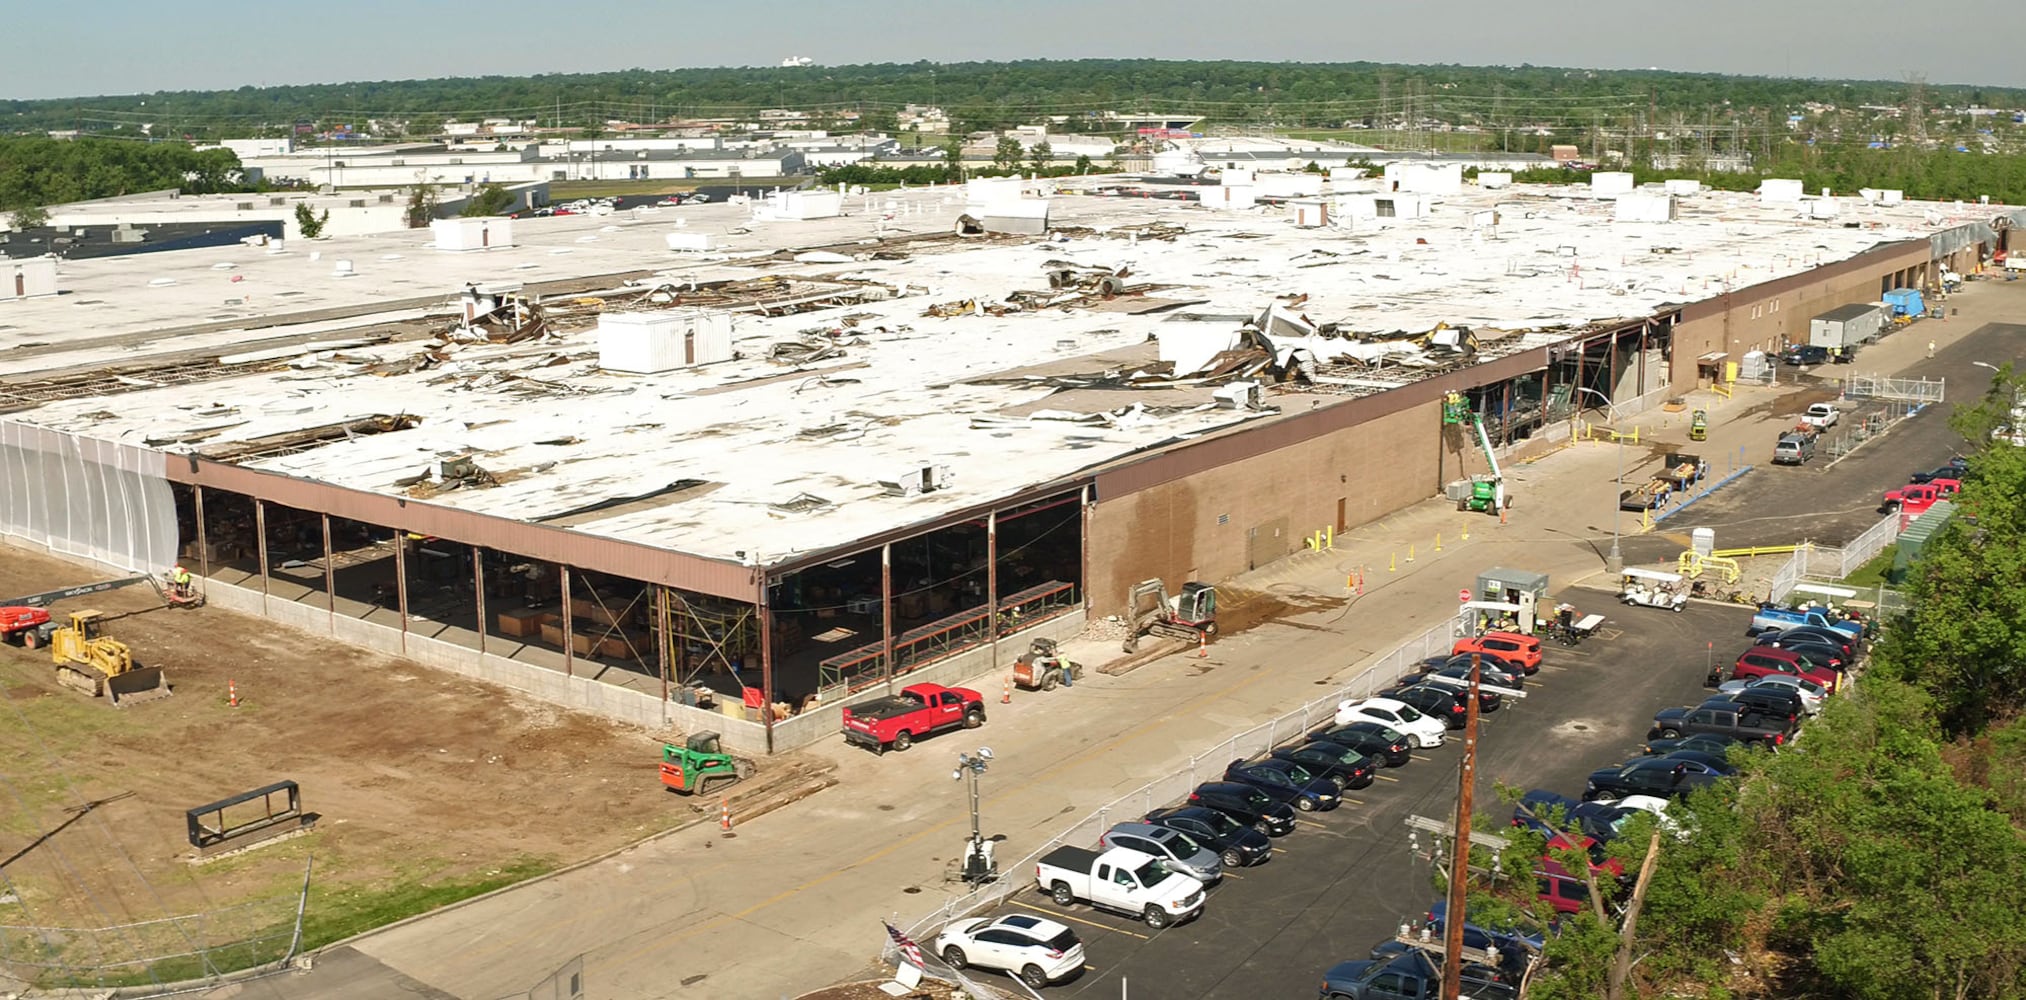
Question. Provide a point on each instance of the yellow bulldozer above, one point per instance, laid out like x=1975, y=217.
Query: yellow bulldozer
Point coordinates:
x=100, y=665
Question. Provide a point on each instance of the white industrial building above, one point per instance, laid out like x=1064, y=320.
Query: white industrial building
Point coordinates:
x=409, y=165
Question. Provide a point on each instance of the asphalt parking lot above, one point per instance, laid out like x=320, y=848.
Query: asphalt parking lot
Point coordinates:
x=1831, y=504
x=1345, y=879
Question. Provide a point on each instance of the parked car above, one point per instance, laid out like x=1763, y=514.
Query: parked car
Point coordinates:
x=1716, y=763
x=1247, y=805
x=1646, y=776
x=1804, y=354
x=1496, y=672
x=1409, y=976
x=1513, y=647
x=1793, y=449
x=1822, y=653
x=1123, y=881
x=1811, y=693
x=1384, y=743
x=1771, y=702
x=1706, y=742
x=1736, y=721
x=1508, y=972
x=1038, y=950
x=1425, y=731
x=1767, y=619
x=1956, y=468
x=1288, y=782
x=1350, y=768
x=1759, y=661
x=1546, y=813
x=1237, y=844
x=1822, y=415
x=1564, y=892
x=918, y=710
x=1178, y=849
x=1504, y=938
x=1845, y=645
x=1673, y=818
x=1438, y=702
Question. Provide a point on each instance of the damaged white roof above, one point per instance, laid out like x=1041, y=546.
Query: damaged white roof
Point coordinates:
x=560, y=435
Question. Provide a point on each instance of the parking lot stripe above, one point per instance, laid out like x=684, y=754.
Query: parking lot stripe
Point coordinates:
x=1235, y=875
x=1315, y=824
x=1419, y=757
x=1092, y=923
x=1355, y=802
x=1383, y=777
x=1280, y=850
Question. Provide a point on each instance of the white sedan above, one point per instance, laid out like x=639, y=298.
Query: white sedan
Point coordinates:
x=1038, y=950
x=1811, y=692
x=1423, y=730
x=1658, y=806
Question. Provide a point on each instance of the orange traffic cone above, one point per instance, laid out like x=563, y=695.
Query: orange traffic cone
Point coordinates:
x=232, y=693
x=1202, y=645
x=1006, y=697
x=725, y=815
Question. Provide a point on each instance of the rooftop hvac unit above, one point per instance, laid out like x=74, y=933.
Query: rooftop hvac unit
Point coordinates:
x=342, y=269
x=917, y=480
x=644, y=343
x=1238, y=396
x=452, y=469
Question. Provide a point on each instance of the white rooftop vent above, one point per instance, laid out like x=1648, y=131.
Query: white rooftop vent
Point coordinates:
x=1238, y=396
x=917, y=480
x=342, y=269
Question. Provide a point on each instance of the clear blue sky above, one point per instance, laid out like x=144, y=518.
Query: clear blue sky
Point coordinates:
x=88, y=47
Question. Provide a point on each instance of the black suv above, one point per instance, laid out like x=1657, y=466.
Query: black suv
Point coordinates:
x=1646, y=776
x=1351, y=768
x=1381, y=742
x=1805, y=354
x=1247, y=805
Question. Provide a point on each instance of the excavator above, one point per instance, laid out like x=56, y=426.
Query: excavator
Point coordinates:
x=700, y=765
x=1190, y=615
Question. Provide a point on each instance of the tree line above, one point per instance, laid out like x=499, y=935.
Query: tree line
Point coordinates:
x=987, y=95
x=38, y=172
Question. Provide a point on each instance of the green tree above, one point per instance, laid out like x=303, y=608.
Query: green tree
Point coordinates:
x=490, y=199
x=308, y=222
x=31, y=217
x=1083, y=164
x=421, y=205
x=1006, y=155
x=1042, y=156
x=953, y=160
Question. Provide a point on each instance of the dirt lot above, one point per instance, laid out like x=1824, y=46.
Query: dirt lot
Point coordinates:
x=429, y=787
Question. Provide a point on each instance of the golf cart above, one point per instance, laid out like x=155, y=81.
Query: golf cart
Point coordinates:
x=1653, y=589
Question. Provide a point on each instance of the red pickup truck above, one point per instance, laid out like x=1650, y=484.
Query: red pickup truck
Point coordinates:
x=918, y=710
x=1916, y=498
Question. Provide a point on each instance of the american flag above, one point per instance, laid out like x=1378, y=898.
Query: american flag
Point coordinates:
x=908, y=948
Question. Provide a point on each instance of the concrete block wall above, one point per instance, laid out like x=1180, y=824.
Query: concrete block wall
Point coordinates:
x=611, y=701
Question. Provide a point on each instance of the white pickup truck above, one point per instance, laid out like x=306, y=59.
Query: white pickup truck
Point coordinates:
x=1821, y=416
x=1128, y=882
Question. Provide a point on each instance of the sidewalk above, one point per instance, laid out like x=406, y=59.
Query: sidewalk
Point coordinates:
x=794, y=900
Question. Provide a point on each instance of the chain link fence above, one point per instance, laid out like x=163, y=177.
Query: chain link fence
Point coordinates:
x=156, y=957
x=1175, y=786
x=1832, y=565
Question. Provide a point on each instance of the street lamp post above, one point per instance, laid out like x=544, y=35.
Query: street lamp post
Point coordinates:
x=1615, y=561
x=978, y=864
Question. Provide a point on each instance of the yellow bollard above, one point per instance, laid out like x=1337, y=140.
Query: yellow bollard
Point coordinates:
x=1330, y=538
x=1393, y=563
x=1466, y=530
x=1410, y=553
x=1438, y=541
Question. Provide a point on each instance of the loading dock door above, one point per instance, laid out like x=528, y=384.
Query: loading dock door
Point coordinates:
x=1266, y=543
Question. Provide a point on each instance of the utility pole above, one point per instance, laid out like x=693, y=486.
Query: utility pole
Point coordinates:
x=1459, y=862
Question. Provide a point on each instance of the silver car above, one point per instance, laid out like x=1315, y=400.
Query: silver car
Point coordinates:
x=1182, y=852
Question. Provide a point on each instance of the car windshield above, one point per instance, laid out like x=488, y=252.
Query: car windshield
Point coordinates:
x=1183, y=845
x=1152, y=873
x=1408, y=714
x=1271, y=777
x=1219, y=822
x=1300, y=774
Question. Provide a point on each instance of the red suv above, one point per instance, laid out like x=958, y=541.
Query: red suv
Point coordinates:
x=1760, y=661
x=1516, y=648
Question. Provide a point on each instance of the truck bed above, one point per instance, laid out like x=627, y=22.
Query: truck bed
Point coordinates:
x=882, y=709
x=1076, y=859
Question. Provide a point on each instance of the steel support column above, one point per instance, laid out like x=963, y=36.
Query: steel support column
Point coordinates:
x=330, y=578
x=992, y=583
x=260, y=547
x=886, y=611
x=569, y=629
x=766, y=666
x=401, y=584
x=1083, y=536
x=203, y=545
x=661, y=644
x=478, y=591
